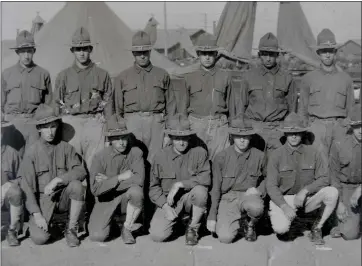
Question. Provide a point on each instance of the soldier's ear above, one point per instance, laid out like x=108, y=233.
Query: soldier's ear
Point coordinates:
x=90, y=49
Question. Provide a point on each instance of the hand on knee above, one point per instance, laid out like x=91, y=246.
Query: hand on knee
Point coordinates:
x=199, y=196
x=100, y=236
x=39, y=239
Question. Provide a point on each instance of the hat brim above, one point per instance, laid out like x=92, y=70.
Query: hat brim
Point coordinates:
x=47, y=120
x=355, y=123
x=178, y=133
x=23, y=47
x=293, y=130
x=320, y=47
x=206, y=48
x=117, y=133
x=273, y=50
x=141, y=48
x=82, y=45
x=239, y=132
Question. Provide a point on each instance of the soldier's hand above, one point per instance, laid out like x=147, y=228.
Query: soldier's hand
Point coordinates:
x=300, y=197
x=252, y=191
x=125, y=175
x=40, y=221
x=211, y=225
x=341, y=211
x=49, y=188
x=173, y=192
x=170, y=212
x=355, y=197
x=101, y=177
x=288, y=211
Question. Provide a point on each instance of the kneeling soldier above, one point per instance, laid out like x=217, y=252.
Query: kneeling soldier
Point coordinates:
x=236, y=174
x=51, y=177
x=117, y=177
x=346, y=177
x=297, y=178
x=180, y=177
x=11, y=194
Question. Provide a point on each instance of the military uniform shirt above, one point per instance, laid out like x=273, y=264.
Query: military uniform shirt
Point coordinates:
x=83, y=91
x=269, y=95
x=286, y=176
x=191, y=168
x=237, y=172
x=10, y=160
x=111, y=163
x=23, y=89
x=326, y=94
x=144, y=90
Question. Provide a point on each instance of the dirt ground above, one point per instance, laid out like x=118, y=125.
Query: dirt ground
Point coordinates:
x=268, y=251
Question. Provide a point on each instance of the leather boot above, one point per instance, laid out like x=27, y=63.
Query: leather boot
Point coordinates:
x=12, y=238
x=71, y=237
x=250, y=234
x=335, y=232
x=316, y=236
x=192, y=236
x=127, y=236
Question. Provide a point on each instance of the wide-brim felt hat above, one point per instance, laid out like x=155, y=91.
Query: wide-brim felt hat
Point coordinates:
x=45, y=114
x=81, y=38
x=116, y=126
x=179, y=126
x=269, y=43
x=326, y=40
x=24, y=40
x=241, y=127
x=207, y=43
x=141, y=41
x=293, y=123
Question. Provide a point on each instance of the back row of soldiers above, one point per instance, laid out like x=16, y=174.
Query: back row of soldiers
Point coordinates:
x=143, y=102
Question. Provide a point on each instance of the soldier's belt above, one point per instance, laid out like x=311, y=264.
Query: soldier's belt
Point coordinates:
x=208, y=117
x=91, y=115
x=145, y=113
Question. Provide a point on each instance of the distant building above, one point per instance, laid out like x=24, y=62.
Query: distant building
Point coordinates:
x=37, y=24
x=351, y=50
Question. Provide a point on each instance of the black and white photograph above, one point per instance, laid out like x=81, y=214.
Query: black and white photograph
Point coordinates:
x=209, y=133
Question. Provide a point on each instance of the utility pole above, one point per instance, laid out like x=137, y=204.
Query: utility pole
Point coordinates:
x=214, y=27
x=205, y=21
x=165, y=22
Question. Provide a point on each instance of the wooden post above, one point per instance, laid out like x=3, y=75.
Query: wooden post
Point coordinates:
x=166, y=33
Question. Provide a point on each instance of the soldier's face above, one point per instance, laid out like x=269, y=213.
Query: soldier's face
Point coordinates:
x=294, y=139
x=142, y=58
x=327, y=56
x=268, y=59
x=241, y=142
x=48, y=131
x=357, y=132
x=180, y=144
x=120, y=143
x=207, y=59
x=26, y=56
x=82, y=54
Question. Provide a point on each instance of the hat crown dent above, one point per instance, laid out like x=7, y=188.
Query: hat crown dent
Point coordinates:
x=25, y=39
x=207, y=41
x=293, y=121
x=141, y=38
x=116, y=124
x=179, y=123
x=44, y=112
x=81, y=36
x=326, y=37
x=269, y=40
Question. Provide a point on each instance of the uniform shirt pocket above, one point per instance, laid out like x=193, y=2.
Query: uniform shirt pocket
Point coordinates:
x=219, y=96
x=341, y=97
x=13, y=90
x=256, y=93
x=314, y=96
x=43, y=176
x=36, y=92
x=307, y=173
x=130, y=94
x=280, y=92
x=158, y=91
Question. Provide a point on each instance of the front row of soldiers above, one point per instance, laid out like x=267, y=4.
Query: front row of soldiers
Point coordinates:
x=296, y=178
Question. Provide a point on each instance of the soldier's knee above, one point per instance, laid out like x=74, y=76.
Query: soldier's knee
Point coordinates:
x=280, y=225
x=15, y=195
x=331, y=195
x=98, y=236
x=254, y=208
x=76, y=190
x=39, y=238
x=225, y=236
x=158, y=236
x=135, y=194
x=199, y=196
x=351, y=234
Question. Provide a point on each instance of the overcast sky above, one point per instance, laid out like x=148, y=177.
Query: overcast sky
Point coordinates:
x=344, y=19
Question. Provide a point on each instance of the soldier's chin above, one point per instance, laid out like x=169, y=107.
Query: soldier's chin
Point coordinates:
x=49, y=139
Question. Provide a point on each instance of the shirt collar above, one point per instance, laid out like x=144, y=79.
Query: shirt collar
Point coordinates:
x=147, y=68
x=334, y=71
x=291, y=150
x=355, y=142
x=78, y=69
x=245, y=154
x=47, y=144
x=211, y=71
x=274, y=70
x=28, y=69
x=114, y=152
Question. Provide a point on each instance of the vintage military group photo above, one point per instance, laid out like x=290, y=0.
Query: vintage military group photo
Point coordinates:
x=109, y=137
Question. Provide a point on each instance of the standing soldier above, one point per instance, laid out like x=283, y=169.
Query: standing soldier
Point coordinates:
x=180, y=177
x=210, y=98
x=326, y=95
x=346, y=177
x=51, y=173
x=143, y=95
x=270, y=93
x=237, y=186
x=11, y=194
x=297, y=179
x=23, y=87
x=82, y=91
x=117, y=177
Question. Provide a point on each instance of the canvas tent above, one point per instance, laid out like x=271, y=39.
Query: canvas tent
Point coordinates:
x=112, y=35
